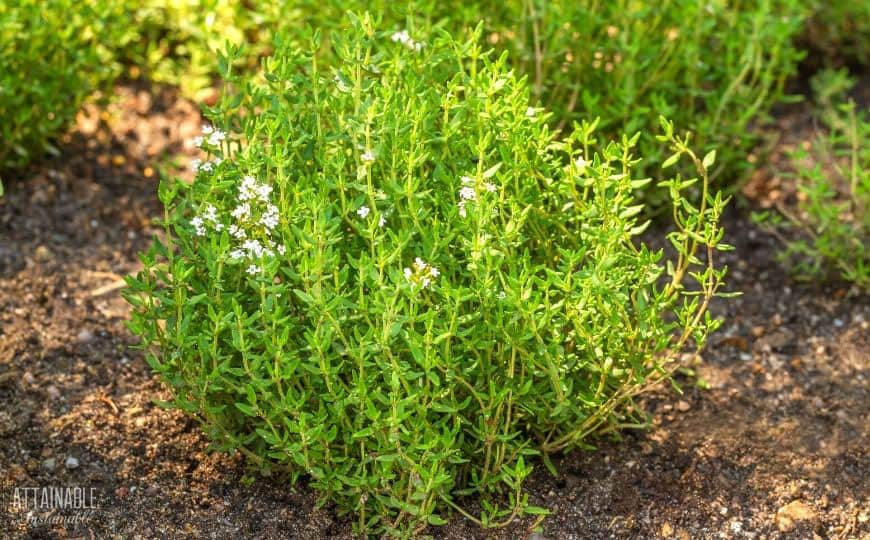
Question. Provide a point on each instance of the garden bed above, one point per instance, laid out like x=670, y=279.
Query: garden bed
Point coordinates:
x=777, y=446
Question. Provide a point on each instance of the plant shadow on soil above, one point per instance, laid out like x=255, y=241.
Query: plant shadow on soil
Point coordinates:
x=783, y=420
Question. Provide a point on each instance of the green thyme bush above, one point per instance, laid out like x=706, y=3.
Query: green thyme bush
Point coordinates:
x=391, y=278
x=714, y=67
x=53, y=55
x=827, y=231
x=838, y=31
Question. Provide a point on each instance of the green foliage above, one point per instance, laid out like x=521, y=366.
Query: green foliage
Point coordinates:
x=829, y=229
x=839, y=30
x=390, y=277
x=53, y=54
x=713, y=67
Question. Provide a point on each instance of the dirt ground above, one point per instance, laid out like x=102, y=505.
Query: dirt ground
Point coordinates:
x=776, y=447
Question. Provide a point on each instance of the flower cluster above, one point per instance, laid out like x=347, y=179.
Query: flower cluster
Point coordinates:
x=404, y=38
x=254, y=216
x=422, y=273
x=468, y=192
x=215, y=137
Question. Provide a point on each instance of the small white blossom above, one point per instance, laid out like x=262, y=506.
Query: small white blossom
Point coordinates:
x=216, y=137
x=198, y=226
x=404, y=38
x=269, y=221
x=423, y=273
x=530, y=112
x=490, y=187
x=501, y=295
x=467, y=193
x=253, y=269
x=237, y=232
x=197, y=141
x=363, y=211
x=242, y=211
x=237, y=254
x=382, y=221
x=401, y=37
x=282, y=249
x=580, y=164
x=367, y=156
x=462, y=211
x=467, y=181
x=207, y=129
x=207, y=167
x=195, y=164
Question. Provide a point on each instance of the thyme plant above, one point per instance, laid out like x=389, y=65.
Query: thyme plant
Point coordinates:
x=826, y=231
x=391, y=278
x=714, y=67
x=53, y=55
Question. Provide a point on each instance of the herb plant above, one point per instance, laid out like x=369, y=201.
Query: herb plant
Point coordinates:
x=714, y=67
x=827, y=230
x=53, y=55
x=391, y=278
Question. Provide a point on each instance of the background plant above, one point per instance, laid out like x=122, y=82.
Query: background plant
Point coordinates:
x=53, y=55
x=391, y=278
x=714, y=67
x=828, y=228
x=838, y=32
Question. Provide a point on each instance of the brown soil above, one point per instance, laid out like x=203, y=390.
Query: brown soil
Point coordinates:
x=777, y=447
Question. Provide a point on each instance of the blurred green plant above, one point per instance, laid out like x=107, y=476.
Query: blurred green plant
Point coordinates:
x=53, y=55
x=827, y=230
x=391, y=277
x=838, y=32
x=714, y=67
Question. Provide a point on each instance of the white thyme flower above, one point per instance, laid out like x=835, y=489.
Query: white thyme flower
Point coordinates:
x=207, y=167
x=282, y=249
x=237, y=254
x=269, y=220
x=530, y=112
x=197, y=141
x=263, y=191
x=490, y=187
x=434, y=272
x=408, y=273
x=216, y=137
x=425, y=281
x=501, y=295
x=462, y=211
x=401, y=37
x=363, y=211
x=241, y=211
x=218, y=161
x=207, y=129
x=368, y=156
x=382, y=221
x=467, y=193
x=237, y=232
x=198, y=226
x=420, y=264
x=580, y=164
x=195, y=164
x=418, y=46
x=253, y=269
x=467, y=181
